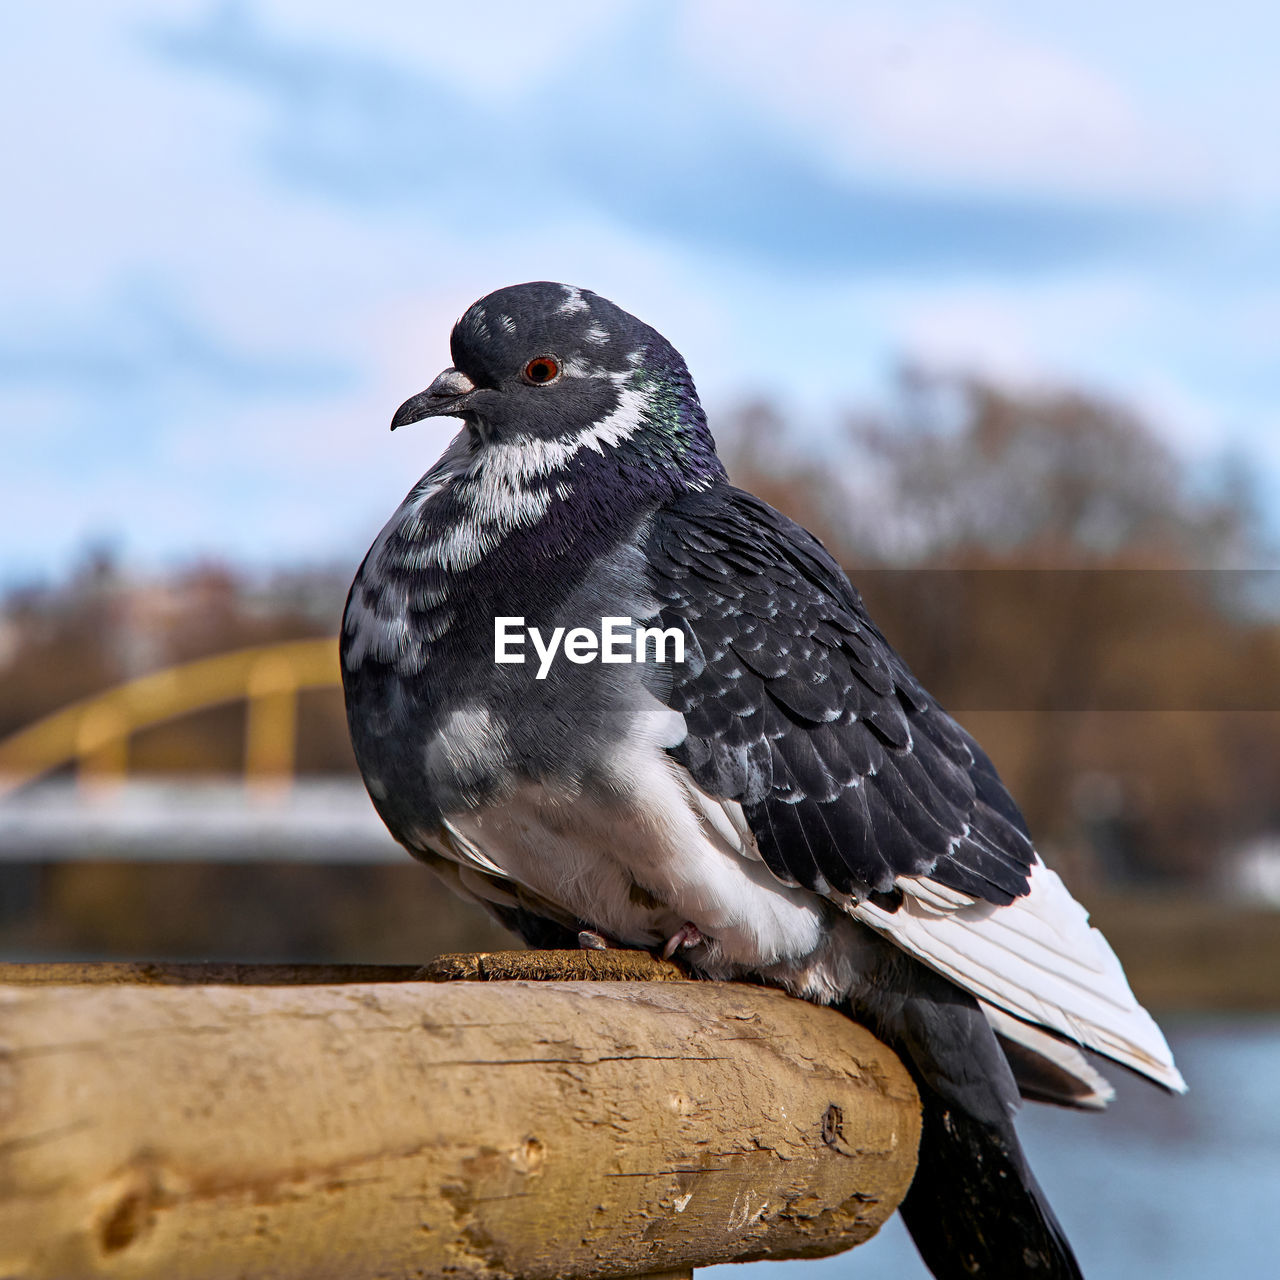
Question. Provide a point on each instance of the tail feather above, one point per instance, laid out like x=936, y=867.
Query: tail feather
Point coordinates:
x=975, y=1209
x=1046, y=1067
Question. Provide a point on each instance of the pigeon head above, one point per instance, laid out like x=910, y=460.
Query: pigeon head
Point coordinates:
x=560, y=377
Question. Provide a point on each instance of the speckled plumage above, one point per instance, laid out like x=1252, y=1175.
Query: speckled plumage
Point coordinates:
x=787, y=803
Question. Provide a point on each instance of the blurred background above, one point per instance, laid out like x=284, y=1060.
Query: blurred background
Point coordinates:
x=986, y=294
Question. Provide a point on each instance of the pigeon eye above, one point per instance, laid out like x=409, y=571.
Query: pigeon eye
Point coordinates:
x=542, y=369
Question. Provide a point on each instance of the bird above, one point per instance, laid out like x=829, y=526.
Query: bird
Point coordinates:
x=620, y=702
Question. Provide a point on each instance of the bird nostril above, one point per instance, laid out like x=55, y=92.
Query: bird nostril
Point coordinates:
x=452, y=382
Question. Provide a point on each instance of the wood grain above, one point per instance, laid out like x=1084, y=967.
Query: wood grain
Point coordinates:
x=153, y=1128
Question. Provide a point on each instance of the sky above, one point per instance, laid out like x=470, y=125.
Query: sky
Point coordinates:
x=237, y=234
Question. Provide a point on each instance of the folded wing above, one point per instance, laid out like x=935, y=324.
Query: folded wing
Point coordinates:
x=814, y=736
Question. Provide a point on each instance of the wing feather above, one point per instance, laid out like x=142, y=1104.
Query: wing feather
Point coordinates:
x=799, y=709
x=1047, y=1068
x=1037, y=958
x=811, y=746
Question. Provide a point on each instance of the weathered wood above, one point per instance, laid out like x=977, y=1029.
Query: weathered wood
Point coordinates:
x=552, y=966
x=159, y=973
x=501, y=1128
x=474, y=966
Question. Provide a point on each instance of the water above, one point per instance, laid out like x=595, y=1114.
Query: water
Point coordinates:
x=1175, y=1188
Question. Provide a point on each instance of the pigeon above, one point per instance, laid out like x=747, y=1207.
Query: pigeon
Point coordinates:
x=618, y=701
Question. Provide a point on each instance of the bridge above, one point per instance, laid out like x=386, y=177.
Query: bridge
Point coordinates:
x=103, y=811
x=93, y=734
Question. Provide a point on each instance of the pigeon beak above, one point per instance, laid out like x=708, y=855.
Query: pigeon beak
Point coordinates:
x=442, y=398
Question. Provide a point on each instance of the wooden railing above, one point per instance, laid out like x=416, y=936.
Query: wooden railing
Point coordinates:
x=577, y=1114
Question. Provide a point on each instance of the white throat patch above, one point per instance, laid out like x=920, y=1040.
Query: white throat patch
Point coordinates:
x=516, y=462
x=500, y=488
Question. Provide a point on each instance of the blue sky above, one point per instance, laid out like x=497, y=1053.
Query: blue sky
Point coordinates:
x=237, y=234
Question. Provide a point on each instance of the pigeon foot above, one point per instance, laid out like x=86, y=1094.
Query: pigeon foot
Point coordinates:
x=590, y=940
x=684, y=937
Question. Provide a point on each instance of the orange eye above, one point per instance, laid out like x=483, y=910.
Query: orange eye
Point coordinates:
x=542, y=369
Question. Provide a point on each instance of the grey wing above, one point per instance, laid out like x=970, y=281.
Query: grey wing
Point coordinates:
x=849, y=774
x=855, y=784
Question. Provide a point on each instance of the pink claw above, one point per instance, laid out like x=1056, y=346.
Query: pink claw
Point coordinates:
x=684, y=937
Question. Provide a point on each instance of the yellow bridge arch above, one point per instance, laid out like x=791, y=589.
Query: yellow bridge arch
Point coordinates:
x=94, y=733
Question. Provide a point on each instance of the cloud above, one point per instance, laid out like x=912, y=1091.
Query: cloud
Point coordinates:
x=627, y=128
x=491, y=53
x=950, y=97
x=141, y=337
x=239, y=234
